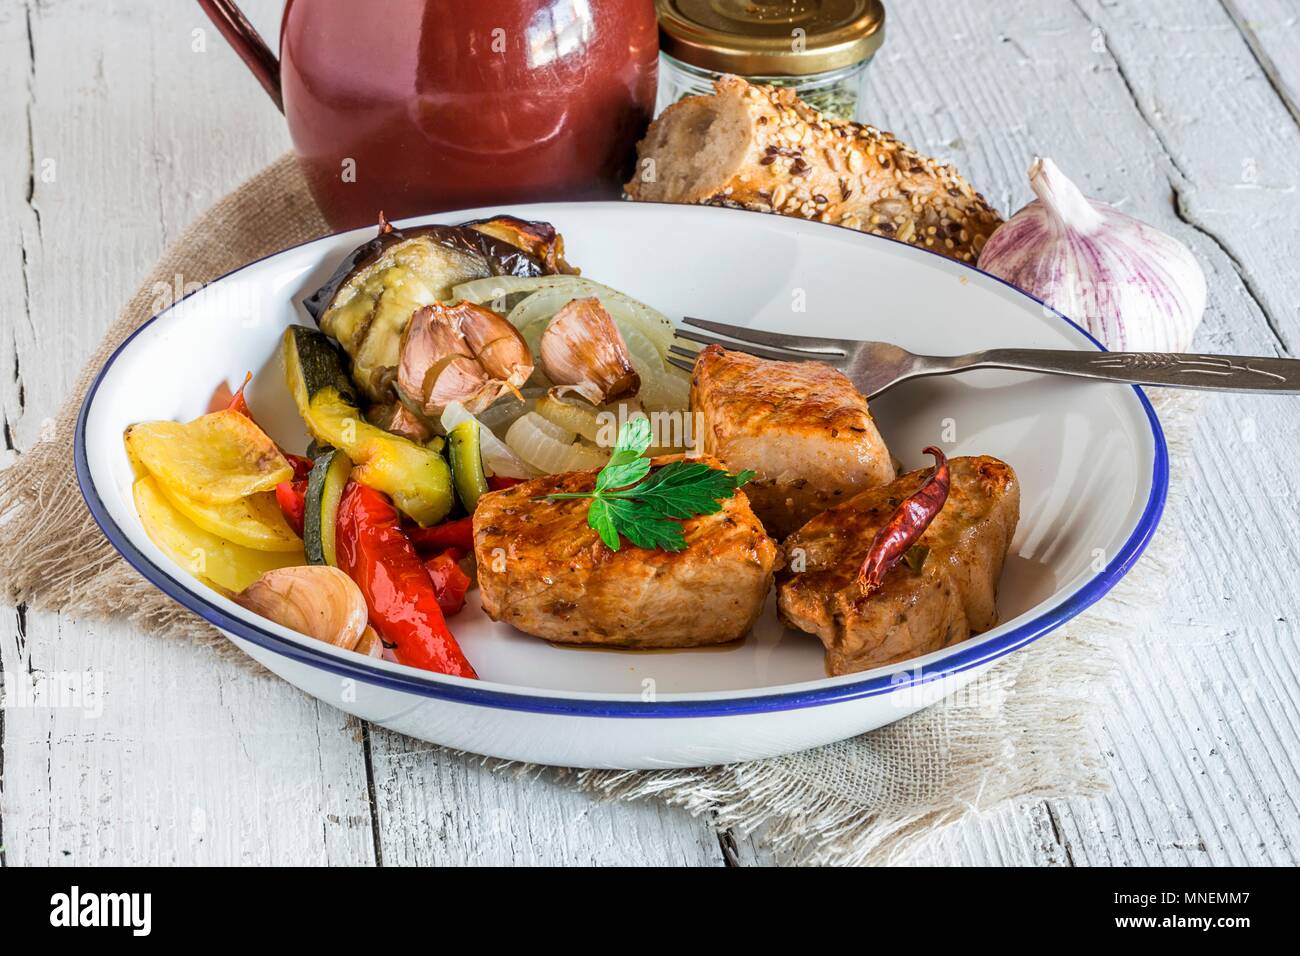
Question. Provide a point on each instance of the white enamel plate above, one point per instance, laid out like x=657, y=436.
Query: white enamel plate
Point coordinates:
x=1090, y=457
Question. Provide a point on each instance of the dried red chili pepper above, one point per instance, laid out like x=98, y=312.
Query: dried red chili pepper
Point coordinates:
x=240, y=404
x=905, y=525
x=449, y=534
x=221, y=398
x=403, y=604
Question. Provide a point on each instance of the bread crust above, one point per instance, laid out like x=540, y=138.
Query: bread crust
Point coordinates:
x=798, y=162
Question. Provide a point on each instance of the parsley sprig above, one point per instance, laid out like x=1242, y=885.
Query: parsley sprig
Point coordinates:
x=648, y=507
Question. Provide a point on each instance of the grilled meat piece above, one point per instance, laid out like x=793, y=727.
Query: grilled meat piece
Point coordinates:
x=801, y=426
x=543, y=570
x=915, y=612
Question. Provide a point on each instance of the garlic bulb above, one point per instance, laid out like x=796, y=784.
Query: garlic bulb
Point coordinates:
x=1133, y=287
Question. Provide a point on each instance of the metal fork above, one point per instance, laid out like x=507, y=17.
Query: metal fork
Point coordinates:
x=875, y=367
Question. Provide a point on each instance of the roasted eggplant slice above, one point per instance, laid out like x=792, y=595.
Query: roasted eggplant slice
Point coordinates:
x=538, y=239
x=366, y=304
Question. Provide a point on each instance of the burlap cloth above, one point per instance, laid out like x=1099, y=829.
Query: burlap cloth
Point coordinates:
x=1020, y=733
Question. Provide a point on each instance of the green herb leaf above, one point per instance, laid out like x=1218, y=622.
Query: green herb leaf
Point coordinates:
x=626, y=466
x=683, y=489
x=648, y=508
x=644, y=528
x=602, y=521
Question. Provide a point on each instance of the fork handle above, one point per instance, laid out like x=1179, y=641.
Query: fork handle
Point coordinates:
x=1220, y=373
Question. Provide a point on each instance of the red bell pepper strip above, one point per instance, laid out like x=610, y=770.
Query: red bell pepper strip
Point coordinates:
x=291, y=496
x=301, y=465
x=450, y=583
x=905, y=525
x=500, y=482
x=403, y=605
x=449, y=534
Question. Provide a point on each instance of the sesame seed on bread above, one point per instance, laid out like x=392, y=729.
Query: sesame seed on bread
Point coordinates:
x=762, y=148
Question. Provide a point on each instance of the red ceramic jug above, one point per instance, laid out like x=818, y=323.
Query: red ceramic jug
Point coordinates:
x=414, y=106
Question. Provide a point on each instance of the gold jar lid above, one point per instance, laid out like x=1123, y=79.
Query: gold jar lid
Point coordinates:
x=771, y=37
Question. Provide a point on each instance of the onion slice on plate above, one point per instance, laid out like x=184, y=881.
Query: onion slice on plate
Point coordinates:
x=497, y=456
x=551, y=447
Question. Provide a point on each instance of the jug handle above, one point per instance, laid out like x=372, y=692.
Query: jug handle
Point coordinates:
x=248, y=43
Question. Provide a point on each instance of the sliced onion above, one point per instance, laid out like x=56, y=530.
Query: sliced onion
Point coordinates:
x=542, y=305
x=484, y=290
x=543, y=445
x=551, y=430
x=596, y=424
x=669, y=391
x=575, y=415
x=506, y=411
x=497, y=456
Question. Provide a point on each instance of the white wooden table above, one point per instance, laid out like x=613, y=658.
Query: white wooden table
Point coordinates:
x=119, y=123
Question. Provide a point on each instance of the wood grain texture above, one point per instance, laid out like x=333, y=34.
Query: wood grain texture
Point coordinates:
x=193, y=760
x=119, y=132
x=1161, y=109
x=439, y=809
x=1271, y=29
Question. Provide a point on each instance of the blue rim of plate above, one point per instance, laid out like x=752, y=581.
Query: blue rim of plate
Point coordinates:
x=463, y=691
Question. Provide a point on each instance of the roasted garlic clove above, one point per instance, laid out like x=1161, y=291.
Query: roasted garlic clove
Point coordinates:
x=370, y=643
x=584, y=352
x=497, y=344
x=400, y=420
x=460, y=353
x=316, y=600
x=459, y=379
x=430, y=338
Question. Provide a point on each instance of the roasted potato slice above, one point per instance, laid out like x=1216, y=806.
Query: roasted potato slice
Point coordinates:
x=253, y=522
x=215, y=459
x=203, y=554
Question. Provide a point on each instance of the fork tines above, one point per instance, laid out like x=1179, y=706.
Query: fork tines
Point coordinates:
x=769, y=345
x=681, y=358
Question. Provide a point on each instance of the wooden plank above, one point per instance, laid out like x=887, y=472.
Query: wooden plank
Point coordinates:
x=437, y=809
x=182, y=759
x=1271, y=29
x=192, y=760
x=1150, y=106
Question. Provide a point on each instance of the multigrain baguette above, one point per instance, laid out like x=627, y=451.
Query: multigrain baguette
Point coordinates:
x=762, y=148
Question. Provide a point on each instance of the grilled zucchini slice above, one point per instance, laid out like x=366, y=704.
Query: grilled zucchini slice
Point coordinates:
x=415, y=477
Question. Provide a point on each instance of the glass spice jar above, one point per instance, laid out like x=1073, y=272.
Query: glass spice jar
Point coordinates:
x=819, y=48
